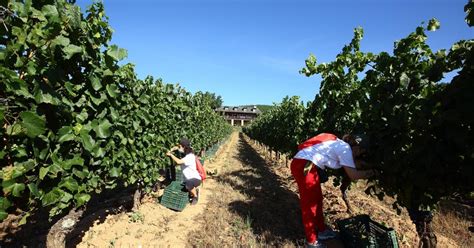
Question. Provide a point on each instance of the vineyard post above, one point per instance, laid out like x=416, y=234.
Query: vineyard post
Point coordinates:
x=423, y=222
x=57, y=234
x=137, y=196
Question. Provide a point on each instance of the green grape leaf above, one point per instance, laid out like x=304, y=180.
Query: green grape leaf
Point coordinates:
x=4, y=203
x=15, y=188
x=70, y=50
x=24, y=219
x=112, y=90
x=117, y=53
x=33, y=123
x=43, y=172
x=70, y=184
x=114, y=172
x=51, y=197
x=96, y=84
x=77, y=160
x=50, y=10
x=103, y=129
x=87, y=140
x=79, y=173
x=60, y=41
x=82, y=198
x=65, y=134
x=3, y=215
x=34, y=189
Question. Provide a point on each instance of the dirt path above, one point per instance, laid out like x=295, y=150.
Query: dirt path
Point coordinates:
x=251, y=206
x=250, y=202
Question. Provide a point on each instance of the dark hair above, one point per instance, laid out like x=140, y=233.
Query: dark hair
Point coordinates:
x=187, y=145
x=349, y=139
x=188, y=150
x=357, y=140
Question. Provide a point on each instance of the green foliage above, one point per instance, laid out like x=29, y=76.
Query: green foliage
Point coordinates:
x=469, y=9
x=414, y=118
x=215, y=101
x=73, y=120
x=264, y=108
x=339, y=90
x=420, y=127
x=280, y=128
x=136, y=217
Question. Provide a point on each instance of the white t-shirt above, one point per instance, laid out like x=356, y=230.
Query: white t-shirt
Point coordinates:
x=189, y=167
x=332, y=154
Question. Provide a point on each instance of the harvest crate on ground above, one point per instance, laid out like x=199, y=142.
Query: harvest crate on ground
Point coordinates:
x=179, y=175
x=361, y=231
x=174, y=197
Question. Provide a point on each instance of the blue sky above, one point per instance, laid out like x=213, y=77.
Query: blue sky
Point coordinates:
x=250, y=51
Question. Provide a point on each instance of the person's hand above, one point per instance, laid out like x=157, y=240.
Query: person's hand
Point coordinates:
x=174, y=148
x=169, y=154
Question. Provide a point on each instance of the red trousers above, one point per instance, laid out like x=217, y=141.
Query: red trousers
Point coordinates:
x=311, y=199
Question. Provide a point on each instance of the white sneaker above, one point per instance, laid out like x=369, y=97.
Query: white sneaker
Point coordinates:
x=316, y=244
x=326, y=234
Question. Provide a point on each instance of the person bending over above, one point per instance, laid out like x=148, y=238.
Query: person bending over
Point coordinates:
x=316, y=154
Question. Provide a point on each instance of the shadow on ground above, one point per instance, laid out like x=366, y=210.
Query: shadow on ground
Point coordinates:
x=273, y=209
x=34, y=234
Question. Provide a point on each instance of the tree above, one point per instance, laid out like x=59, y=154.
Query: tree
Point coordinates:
x=214, y=100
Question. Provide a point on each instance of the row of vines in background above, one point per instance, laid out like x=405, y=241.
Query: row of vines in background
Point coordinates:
x=73, y=121
x=420, y=128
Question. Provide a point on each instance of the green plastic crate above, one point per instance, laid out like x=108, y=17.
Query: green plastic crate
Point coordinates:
x=179, y=175
x=174, y=198
x=175, y=185
x=361, y=231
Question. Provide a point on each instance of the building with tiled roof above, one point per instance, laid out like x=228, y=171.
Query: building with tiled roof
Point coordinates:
x=239, y=115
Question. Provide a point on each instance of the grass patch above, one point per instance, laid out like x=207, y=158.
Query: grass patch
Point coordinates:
x=136, y=217
x=453, y=221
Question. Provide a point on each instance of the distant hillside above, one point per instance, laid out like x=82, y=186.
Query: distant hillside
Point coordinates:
x=264, y=108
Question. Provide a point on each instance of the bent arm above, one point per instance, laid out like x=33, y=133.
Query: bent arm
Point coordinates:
x=355, y=174
x=175, y=159
x=172, y=156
